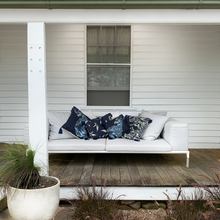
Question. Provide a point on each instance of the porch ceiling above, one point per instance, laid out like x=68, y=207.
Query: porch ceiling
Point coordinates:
x=111, y=4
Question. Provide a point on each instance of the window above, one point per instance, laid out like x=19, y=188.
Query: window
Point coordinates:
x=108, y=65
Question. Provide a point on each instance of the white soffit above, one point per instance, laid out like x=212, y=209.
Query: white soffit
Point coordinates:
x=92, y=16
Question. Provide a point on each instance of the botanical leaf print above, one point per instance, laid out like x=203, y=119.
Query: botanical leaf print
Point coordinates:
x=116, y=127
x=76, y=124
x=96, y=129
x=137, y=125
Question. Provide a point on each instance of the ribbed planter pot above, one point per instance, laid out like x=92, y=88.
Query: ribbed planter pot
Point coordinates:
x=34, y=204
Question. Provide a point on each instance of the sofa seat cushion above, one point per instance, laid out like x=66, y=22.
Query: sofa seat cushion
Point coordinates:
x=124, y=145
x=77, y=145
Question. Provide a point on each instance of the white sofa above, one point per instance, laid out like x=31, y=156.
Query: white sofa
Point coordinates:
x=174, y=141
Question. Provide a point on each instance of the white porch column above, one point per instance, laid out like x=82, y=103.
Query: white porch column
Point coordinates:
x=37, y=91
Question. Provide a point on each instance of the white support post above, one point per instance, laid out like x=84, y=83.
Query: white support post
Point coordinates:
x=37, y=91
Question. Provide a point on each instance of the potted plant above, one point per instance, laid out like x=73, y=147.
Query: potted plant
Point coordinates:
x=30, y=196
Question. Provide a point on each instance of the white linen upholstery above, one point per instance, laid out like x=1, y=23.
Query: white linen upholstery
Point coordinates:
x=125, y=145
x=154, y=129
x=176, y=134
x=90, y=115
x=57, y=120
x=77, y=145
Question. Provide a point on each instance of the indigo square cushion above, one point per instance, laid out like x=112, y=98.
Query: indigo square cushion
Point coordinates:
x=96, y=129
x=116, y=127
x=76, y=124
x=137, y=127
x=106, y=118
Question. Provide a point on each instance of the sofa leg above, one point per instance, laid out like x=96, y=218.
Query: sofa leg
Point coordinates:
x=187, y=160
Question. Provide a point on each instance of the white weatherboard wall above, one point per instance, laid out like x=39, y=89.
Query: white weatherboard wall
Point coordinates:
x=13, y=82
x=65, y=66
x=174, y=68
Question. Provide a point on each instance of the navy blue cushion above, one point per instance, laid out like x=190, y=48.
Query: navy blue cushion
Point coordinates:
x=116, y=127
x=96, y=129
x=106, y=118
x=137, y=127
x=76, y=124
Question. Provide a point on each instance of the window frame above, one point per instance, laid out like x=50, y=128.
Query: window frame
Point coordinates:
x=109, y=64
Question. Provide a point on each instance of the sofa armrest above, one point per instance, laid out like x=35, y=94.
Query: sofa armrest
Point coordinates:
x=176, y=134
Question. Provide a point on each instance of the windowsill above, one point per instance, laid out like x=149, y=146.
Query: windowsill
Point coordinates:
x=108, y=108
x=99, y=88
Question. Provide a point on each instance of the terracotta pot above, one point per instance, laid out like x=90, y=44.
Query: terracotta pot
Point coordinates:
x=34, y=204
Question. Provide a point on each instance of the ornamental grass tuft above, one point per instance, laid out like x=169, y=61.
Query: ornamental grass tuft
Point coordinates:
x=17, y=167
x=94, y=204
x=196, y=207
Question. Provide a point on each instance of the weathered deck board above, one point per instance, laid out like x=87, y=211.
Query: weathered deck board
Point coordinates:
x=97, y=169
x=135, y=176
x=106, y=168
x=115, y=172
x=154, y=175
x=65, y=178
x=135, y=169
x=145, y=177
x=78, y=171
x=124, y=172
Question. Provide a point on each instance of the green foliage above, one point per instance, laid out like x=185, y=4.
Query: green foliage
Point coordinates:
x=17, y=167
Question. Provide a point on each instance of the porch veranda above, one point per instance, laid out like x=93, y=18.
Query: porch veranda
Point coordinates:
x=135, y=170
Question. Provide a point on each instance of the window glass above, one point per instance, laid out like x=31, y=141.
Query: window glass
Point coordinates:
x=108, y=45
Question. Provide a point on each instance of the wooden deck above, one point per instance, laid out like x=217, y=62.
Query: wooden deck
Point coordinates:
x=135, y=170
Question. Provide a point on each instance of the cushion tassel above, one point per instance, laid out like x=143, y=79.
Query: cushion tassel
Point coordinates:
x=60, y=131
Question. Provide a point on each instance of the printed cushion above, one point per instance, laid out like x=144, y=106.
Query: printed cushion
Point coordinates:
x=106, y=118
x=76, y=124
x=137, y=126
x=96, y=129
x=116, y=127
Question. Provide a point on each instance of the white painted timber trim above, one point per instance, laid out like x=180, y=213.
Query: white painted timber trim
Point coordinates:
x=134, y=193
x=37, y=91
x=98, y=16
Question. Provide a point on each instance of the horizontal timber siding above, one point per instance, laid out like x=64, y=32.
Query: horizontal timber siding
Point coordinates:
x=176, y=68
x=13, y=82
x=65, y=66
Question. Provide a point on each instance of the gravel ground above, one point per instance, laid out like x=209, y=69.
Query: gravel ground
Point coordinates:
x=141, y=214
x=144, y=214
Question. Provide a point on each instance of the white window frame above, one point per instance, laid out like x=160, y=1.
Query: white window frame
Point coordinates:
x=110, y=64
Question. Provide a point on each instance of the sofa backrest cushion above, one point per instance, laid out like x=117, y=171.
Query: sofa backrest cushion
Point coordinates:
x=154, y=129
x=56, y=120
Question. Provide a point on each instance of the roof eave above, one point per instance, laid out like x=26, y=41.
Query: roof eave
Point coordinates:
x=121, y=4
